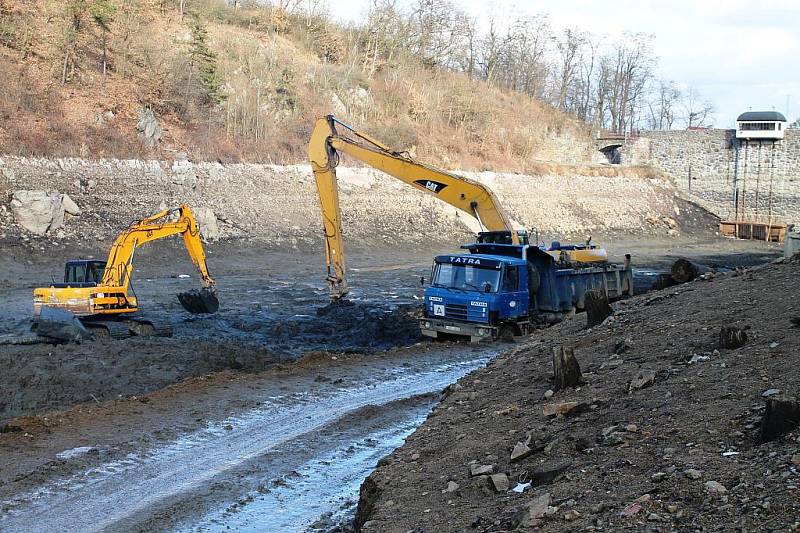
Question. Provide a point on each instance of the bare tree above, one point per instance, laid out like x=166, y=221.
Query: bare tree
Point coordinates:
x=569, y=56
x=697, y=110
x=662, y=106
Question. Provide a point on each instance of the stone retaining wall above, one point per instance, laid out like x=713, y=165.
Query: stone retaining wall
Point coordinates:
x=707, y=163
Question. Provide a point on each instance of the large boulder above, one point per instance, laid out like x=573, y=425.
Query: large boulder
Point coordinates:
x=207, y=221
x=70, y=207
x=149, y=129
x=38, y=211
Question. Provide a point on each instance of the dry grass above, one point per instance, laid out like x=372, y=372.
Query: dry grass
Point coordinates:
x=280, y=75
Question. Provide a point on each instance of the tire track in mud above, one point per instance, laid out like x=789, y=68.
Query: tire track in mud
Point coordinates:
x=120, y=494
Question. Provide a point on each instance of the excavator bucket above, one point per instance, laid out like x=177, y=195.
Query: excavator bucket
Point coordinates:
x=202, y=301
x=60, y=325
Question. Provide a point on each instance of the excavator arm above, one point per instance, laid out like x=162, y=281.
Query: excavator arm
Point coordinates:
x=467, y=195
x=119, y=265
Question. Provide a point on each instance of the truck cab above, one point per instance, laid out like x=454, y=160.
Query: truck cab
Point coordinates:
x=477, y=295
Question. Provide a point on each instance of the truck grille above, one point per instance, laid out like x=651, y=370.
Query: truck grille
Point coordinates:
x=457, y=311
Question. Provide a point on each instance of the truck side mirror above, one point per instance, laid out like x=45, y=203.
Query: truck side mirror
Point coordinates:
x=422, y=281
x=487, y=287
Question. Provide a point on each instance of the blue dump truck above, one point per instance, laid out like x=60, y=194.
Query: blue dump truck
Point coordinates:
x=502, y=290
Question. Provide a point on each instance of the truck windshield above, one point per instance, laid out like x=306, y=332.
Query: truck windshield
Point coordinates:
x=466, y=277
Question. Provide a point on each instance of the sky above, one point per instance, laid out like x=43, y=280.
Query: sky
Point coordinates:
x=741, y=55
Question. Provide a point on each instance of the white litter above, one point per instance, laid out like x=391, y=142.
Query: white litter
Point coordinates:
x=521, y=487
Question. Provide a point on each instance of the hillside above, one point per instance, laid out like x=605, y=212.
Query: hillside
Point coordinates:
x=244, y=84
x=630, y=450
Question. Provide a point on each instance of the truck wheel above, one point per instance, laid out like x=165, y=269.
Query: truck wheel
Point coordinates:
x=506, y=334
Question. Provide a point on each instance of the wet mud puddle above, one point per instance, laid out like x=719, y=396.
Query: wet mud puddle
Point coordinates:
x=296, y=460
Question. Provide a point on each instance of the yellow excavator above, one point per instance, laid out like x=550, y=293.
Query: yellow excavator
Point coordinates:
x=99, y=293
x=465, y=194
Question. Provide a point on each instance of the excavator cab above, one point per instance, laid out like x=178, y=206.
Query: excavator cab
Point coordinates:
x=84, y=272
x=501, y=237
x=81, y=273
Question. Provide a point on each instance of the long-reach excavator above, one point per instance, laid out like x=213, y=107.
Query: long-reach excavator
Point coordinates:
x=465, y=194
x=100, y=293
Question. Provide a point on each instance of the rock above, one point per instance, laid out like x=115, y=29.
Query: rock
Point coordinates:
x=658, y=477
x=631, y=509
x=643, y=379
x=692, y=473
x=70, y=206
x=452, y=486
x=780, y=417
x=207, y=221
x=615, y=438
x=480, y=470
x=770, y=392
x=715, y=488
x=38, y=211
x=415, y=456
x=149, y=129
x=548, y=394
x=653, y=517
x=520, y=452
x=337, y=105
x=499, y=482
x=622, y=346
x=553, y=409
x=631, y=428
x=699, y=358
x=732, y=337
x=549, y=472
x=571, y=515
x=359, y=96
x=536, y=510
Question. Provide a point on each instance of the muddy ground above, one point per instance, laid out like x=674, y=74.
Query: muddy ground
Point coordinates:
x=678, y=450
x=274, y=308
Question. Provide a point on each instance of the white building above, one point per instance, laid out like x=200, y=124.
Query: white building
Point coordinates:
x=760, y=125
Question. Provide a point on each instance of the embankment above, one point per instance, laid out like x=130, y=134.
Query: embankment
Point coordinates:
x=277, y=206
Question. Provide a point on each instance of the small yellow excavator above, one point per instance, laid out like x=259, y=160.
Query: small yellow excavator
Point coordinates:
x=99, y=293
x=465, y=194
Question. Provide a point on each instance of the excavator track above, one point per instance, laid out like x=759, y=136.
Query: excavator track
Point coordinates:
x=124, y=328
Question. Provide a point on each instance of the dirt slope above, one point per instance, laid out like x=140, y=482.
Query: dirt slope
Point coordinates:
x=279, y=206
x=648, y=459
x=277, y=72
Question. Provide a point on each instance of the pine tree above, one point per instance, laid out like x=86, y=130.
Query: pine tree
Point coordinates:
x=204, y=60
x=103, y=12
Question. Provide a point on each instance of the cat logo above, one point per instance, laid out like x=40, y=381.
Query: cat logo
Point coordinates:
x=433, y=186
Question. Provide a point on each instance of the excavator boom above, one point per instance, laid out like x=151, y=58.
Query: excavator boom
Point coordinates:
x=119, y=265
x=467, y=195
x=112, y=295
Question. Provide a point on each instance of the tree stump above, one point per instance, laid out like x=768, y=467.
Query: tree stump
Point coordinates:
x=732, y=337
x=781, y=417
x=597, y=307
x=683, y=271
x=566, y=370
